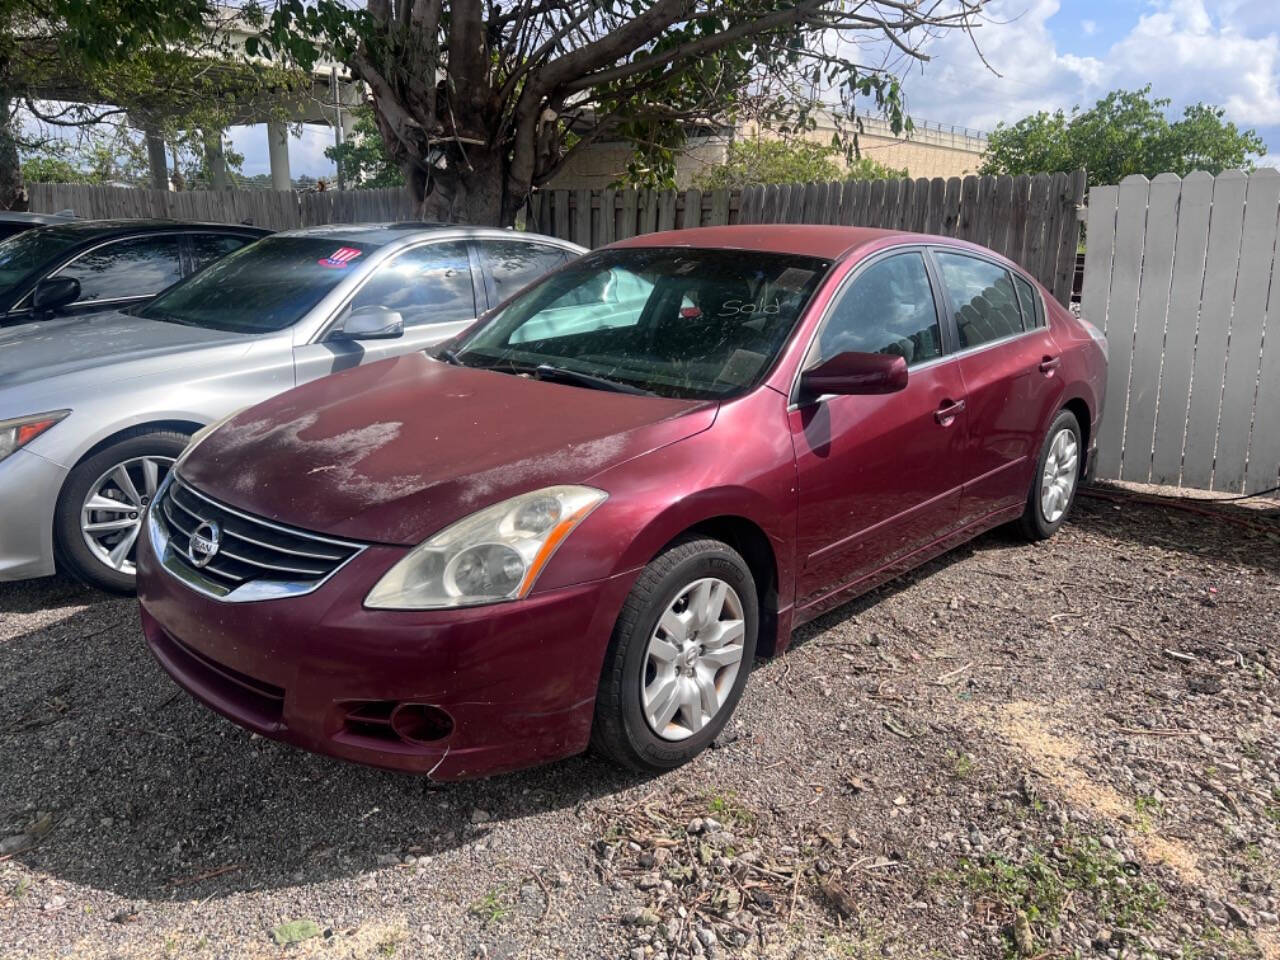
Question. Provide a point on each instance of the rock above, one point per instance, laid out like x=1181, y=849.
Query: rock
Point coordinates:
x=55, y=903
x=711, y=825
x=388, y=860
x=13, y=844
x=562, y=878
x=637, y=953
x=640, y=917
x=1239, y=916
x=706, y=937
x=647, y=881
x=479, y=816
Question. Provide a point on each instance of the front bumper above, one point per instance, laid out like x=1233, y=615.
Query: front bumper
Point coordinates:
x=518, y=680
x=29, y=486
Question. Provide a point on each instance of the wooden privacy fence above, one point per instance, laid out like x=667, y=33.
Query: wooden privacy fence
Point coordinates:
x=273, y=209
x=1034, y=221
x=1181, y=274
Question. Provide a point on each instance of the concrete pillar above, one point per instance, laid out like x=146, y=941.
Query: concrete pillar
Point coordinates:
x=216, y=160
x=156, y=159
x=278, y=151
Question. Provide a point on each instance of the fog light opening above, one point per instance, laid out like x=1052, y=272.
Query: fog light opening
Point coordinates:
x=421, y=723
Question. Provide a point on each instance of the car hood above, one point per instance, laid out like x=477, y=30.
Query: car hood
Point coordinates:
x=395, y=451
x=96, y=345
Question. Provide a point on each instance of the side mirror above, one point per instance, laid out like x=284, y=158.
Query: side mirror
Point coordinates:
x=855, y=373
x=54, y=292
x=370, y=323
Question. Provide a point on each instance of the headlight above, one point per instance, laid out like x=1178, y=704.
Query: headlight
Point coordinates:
x=198, y=437
x=18, y=432
x=493, y=555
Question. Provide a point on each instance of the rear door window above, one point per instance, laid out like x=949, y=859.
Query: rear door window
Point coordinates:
x=208, y=247
x=136, y=267
x=1030, y=303
x=512, y=264
x=983, y=297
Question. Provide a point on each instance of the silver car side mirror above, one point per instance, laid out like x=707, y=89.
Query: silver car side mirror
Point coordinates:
x=370, y=323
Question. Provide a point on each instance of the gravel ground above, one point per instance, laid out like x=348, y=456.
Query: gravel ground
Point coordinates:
x=1055, y=750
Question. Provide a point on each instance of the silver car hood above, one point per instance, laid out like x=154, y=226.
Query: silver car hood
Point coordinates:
x=102, y=348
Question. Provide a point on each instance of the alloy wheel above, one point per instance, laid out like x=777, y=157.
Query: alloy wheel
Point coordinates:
x=1059, y=479
x=111, y=515
x=692, y=659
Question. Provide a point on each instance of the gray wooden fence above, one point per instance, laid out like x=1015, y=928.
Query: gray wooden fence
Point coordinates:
x=1181, y=274
x=273, y=209
x=1033, y=220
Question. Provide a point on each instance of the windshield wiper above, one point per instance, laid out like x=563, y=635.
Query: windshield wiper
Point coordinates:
x=450, y=357
x=546, y=371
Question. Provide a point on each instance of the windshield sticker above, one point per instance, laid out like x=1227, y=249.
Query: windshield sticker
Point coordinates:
x=339, y=258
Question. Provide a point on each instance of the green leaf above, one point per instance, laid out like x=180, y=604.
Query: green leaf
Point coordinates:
x=294, y=932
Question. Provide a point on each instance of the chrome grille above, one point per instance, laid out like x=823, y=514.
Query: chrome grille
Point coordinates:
x=252, y=550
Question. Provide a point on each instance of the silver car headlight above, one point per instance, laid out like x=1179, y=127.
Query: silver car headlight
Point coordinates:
x=493, y=555
x=18, y=432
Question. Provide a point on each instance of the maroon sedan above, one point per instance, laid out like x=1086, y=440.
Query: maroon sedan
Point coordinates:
x=581, y=523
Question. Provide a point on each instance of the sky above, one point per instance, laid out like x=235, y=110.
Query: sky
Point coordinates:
x=1048, y=55
x=1051, y=55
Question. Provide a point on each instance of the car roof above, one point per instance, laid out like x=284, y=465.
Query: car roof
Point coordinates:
x=813, y=240
x=17, y=216
x=98, y=229
x=395, y=231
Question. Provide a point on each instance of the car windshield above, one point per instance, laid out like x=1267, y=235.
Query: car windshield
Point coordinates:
x=266, y=286
x=676, y=322
x=26, y=252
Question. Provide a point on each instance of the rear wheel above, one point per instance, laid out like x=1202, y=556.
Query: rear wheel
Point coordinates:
x=101, y=507
x=1053, y=490
x=679, y=657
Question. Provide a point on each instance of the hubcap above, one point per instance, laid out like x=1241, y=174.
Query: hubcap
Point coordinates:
x=692, y=659
x=111, y=515
x=1059, y=480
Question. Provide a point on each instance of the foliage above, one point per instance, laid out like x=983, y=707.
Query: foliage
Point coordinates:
x=1042, y=886
x=480, y=103
x=1125, y=132
x=69, y=66
x=363, y=159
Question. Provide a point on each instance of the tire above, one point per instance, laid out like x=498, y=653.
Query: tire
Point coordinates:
x=1041, y=520
x=686, y=573
x=91, y=474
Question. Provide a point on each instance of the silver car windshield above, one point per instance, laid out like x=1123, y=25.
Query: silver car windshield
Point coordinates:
x=676, y=322
x=266, y=286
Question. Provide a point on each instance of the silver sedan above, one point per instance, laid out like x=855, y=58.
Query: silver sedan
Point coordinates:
x=94, y=409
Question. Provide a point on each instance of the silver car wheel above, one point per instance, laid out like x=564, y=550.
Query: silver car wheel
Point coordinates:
x=1059, y=479
x=692, y=659
x=111, y=515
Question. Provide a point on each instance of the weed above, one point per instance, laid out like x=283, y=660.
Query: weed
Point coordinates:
x=961, y=764
x=20, y=888
x=1041, y=885
x=1148, y=809
x=490, y=908
x=729, y=810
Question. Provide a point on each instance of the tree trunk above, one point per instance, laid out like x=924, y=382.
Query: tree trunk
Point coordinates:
x=470, y=192
x=13, y=195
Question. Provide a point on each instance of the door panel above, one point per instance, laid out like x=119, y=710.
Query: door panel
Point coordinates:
x=879, y=476
x=1010, y=380
x=432, y=288
x=1009, y=402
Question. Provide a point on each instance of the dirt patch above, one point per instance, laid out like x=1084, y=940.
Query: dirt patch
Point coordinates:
x=1072, y=748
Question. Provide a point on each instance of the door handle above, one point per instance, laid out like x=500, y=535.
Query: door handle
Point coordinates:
x=1049, y=364
x=947, y=412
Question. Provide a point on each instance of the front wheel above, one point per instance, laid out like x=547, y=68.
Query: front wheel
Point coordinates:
x=679, y=656
x=1053, y=490
x=102, y=504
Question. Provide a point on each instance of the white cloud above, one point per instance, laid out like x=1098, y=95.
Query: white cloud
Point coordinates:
x=1089, y=27
x=1225, y=52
